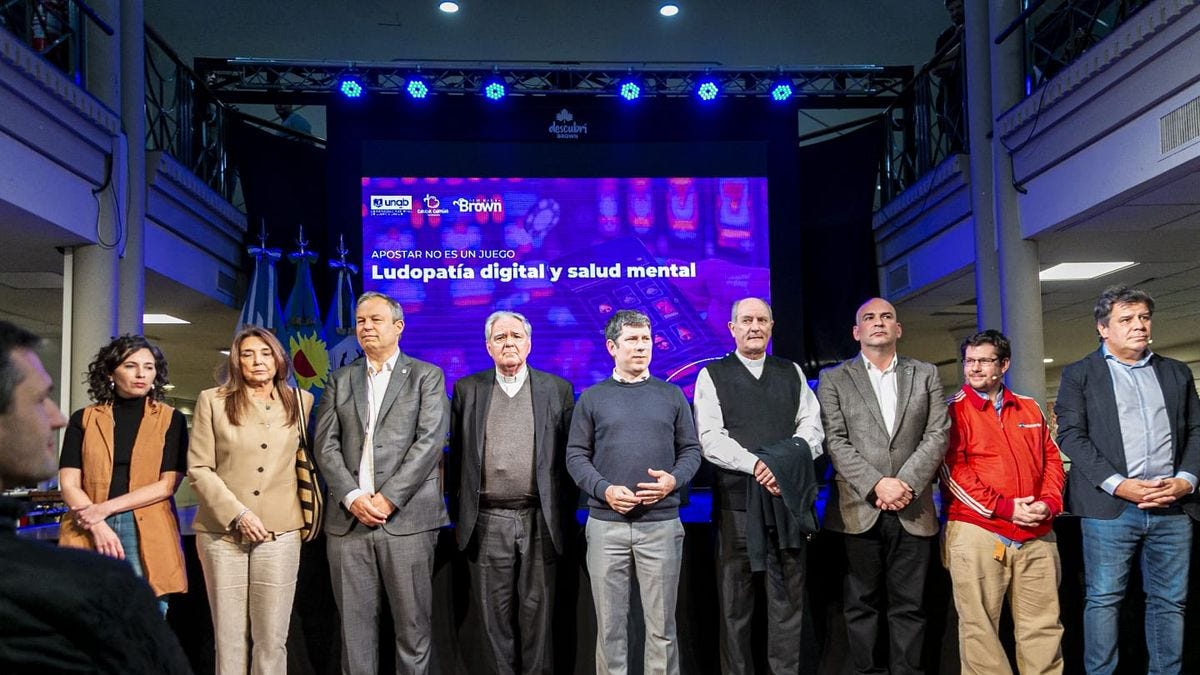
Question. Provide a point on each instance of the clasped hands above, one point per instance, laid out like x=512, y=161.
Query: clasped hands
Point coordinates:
x=623, y=500
x=1158, y=493
x=892, y=494
x=372, y=510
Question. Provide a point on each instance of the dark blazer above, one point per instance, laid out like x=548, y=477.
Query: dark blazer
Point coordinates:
x=1089, y=430
x=862, y=452
x=409, y=436
x=553, y=401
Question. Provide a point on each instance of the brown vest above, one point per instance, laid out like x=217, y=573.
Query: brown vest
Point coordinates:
x=157, y=527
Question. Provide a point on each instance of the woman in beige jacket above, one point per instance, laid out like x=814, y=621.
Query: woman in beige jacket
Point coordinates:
x=242, y=464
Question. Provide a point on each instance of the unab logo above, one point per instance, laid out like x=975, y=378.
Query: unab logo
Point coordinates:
x=387, y=205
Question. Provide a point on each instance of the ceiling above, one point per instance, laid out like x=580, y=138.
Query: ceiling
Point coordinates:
x=1157, y=225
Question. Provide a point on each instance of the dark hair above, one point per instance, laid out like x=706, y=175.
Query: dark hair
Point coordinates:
x=12, y=338
x=1120, y=295
x=233, y=388
x=111, y=356
x=623, y=318
x=991, y=337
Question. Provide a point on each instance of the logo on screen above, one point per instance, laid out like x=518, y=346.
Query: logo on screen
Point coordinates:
x=433, y=206
x=385, y=205
x=565, y=126
x=479, y=205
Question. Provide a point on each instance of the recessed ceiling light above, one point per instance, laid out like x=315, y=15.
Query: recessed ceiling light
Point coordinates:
x=1047, y=360
x=1077, y=271
x=162, y=320
x=669, y=9
x=448, y=7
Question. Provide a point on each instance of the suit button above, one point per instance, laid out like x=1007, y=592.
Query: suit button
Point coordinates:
x=260, y=469
x=256, y=493
x=264, y=446
x=355, y=473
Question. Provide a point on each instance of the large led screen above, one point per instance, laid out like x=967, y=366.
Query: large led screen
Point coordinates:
x=566, y=253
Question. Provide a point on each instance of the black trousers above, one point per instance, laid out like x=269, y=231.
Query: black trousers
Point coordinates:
x=886, y=569
x=784, y=579
x=512, y=564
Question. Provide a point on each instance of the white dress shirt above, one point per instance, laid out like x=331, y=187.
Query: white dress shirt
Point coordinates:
x=511, y=385
x=715, y=442
x=884, y=384
x=377, y=384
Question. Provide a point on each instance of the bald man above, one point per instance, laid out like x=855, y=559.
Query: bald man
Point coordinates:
x=886, y=432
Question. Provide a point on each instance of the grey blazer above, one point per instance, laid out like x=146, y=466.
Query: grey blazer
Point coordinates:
x=862, y=452
x=553, y=402
x=408, y=437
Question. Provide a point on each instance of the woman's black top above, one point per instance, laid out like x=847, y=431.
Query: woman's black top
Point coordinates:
x=127, y=417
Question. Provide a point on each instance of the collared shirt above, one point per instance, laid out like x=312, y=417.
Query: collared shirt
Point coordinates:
x=1145, y=424
x=641, y=378
x=884, y=384
x=377, y=384
x=511, y=385
x=998, y=403
x=716, y=444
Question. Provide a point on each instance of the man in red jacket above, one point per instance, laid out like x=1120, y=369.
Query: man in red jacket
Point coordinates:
x=1003, y=481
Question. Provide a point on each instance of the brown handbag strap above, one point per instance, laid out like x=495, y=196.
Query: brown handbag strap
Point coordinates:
x=302, y=422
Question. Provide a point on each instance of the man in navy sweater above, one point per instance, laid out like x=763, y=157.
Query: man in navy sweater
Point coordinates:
x=632, y=444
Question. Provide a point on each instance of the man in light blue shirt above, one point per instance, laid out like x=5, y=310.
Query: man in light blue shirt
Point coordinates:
x=1129, y=419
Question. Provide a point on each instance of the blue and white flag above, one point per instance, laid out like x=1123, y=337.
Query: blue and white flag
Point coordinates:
x=302, y=334
x=339, y=321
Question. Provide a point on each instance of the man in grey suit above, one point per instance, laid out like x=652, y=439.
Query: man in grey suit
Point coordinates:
x=886, y=432
x=511, y=494
x=380, y=431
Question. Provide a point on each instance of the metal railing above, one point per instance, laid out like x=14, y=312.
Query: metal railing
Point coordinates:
x=926, y=124
x=1058, y=33
x=185, y=120
x=54, y=29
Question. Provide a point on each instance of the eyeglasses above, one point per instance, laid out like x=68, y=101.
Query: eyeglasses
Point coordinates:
x=982, y=362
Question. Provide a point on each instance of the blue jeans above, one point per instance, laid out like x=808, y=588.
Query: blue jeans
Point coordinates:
x=125, y=528
x=1109, y=546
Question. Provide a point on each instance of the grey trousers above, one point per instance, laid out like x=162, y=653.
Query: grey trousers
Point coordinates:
x=367, y=565
x=616, y=551
x=784, y=579
x=512, y=564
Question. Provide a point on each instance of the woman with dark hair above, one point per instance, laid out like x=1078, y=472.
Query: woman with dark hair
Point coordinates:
x=242, y=464
x=122, y=459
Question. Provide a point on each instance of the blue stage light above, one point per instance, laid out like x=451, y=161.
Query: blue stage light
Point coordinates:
x=630, y=90
x=782, y=91
x=351, y=87
x=495, y=89
x=708, y=90
x=417, y=88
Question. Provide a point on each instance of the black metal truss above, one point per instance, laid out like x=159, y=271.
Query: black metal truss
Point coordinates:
x=261, y=80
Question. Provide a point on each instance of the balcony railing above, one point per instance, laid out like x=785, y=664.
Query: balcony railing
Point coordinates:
x=185, y=120
x=54, y=29
x=1057, y=33
x=927, y=123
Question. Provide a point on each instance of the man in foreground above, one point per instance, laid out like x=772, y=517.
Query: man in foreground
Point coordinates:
x=62, y=609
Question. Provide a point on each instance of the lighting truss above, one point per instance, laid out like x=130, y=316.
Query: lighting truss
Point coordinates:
x=247, y=80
